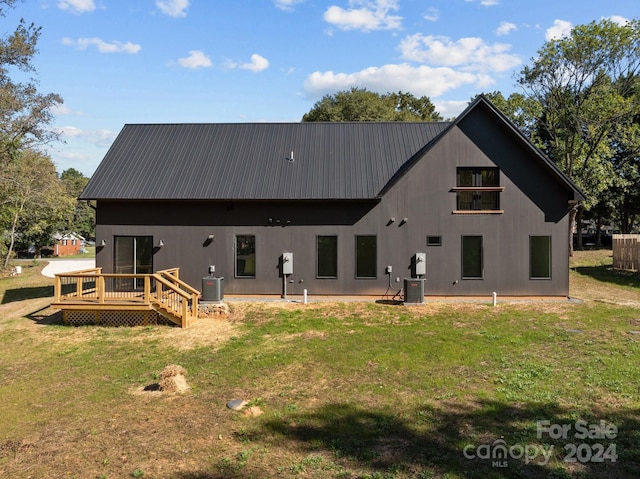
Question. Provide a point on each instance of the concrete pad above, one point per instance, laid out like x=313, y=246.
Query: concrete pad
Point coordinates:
x=67, y=265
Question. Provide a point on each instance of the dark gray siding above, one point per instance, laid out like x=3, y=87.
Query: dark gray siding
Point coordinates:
x=286, y=210
x=422, y=195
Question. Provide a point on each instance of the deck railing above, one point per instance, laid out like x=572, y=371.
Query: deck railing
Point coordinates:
x=162, y=291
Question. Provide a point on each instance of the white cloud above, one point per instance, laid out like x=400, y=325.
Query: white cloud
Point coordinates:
x=471, y=53
x=101, y=137
x=287, y=5
x=173, y=8
x=421, y=80
x=506, y=28
x=365, y=15
x=102, y=46
x=196, y=59
x=257, y=64
x=485, y=3
x=560, y=29
x=432, y=15
x=77, y=6
x=62, y=109
x=451, y=108
x=622, y=21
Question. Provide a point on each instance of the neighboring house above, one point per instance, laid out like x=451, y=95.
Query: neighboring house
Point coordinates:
x=67, y=244
x=352, y=202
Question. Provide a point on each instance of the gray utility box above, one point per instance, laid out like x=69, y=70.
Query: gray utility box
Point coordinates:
x=287, y=263
x=414, y=290
x=212, y=288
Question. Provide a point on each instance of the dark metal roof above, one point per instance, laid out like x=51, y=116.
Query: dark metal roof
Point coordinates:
x=253, y=160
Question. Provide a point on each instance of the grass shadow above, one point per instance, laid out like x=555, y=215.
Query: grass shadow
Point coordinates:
x=453, y=440
x=20, y=294
x=46, y=316
x=607, y=274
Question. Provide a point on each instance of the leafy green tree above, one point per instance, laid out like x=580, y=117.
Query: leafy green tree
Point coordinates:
x=38, y=201
x=624, y=198
x=83, y=219
x=523, y=111
x=360, y=104
x=24, y=112
x=583, y=84
x=25, y=115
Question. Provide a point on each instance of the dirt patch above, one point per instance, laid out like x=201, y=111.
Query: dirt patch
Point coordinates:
x=205, y=332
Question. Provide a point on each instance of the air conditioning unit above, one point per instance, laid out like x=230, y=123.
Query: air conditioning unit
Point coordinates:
x=414, y=290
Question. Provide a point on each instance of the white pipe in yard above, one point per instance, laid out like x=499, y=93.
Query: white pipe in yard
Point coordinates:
x=495, y=298
x=304, y=296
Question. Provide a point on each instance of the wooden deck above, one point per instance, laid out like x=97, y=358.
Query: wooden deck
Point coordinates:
x=93, y=295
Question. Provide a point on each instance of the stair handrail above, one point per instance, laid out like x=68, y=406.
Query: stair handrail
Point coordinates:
x=186, y=311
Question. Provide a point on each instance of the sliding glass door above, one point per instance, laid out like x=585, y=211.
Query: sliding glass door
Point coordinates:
x=133, y=255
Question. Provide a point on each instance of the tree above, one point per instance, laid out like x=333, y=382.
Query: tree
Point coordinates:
x=25, y=115
x=24, y=112
x=360, y=104
x=583, y=84
x=523, y=111
x=83, y=218
x=624, y=204
x=38, y=202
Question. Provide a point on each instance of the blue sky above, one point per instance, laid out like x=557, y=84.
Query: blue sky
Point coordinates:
x=180, y=61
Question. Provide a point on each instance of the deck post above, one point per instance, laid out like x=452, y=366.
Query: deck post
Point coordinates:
x=194, y=305
x=185, y=313
x=57, y=289
x=147, y=289
x=101, y=289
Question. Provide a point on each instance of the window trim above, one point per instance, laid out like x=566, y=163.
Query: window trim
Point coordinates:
x=318, y=276
x=235, y=257
x=375, y=276
x=550, y=254
x=462, y=237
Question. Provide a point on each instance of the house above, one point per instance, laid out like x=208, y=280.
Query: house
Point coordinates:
x=338, y=208
x=67, y=244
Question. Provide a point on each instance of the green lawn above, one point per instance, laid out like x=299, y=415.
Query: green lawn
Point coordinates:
x=348, y=390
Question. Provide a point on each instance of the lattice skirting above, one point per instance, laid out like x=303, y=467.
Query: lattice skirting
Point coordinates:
x=75, y=317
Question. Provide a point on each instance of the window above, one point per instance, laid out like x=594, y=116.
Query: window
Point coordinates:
x=327, y=256
x=245, y=256
x=434, y=240
x=540, y=257
x=478, y=189
x=366, y=256
x=472, y=264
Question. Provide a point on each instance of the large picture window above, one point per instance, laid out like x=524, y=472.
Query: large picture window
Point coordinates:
x=366, y=256
x=472, y=262
x=327, y=256
x=540, y=257
x=478, y=189
x=246, y=256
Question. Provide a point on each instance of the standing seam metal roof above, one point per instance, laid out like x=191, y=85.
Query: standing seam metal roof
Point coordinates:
x=252, y=160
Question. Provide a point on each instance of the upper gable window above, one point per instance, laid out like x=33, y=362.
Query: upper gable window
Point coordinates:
x=478, y=190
